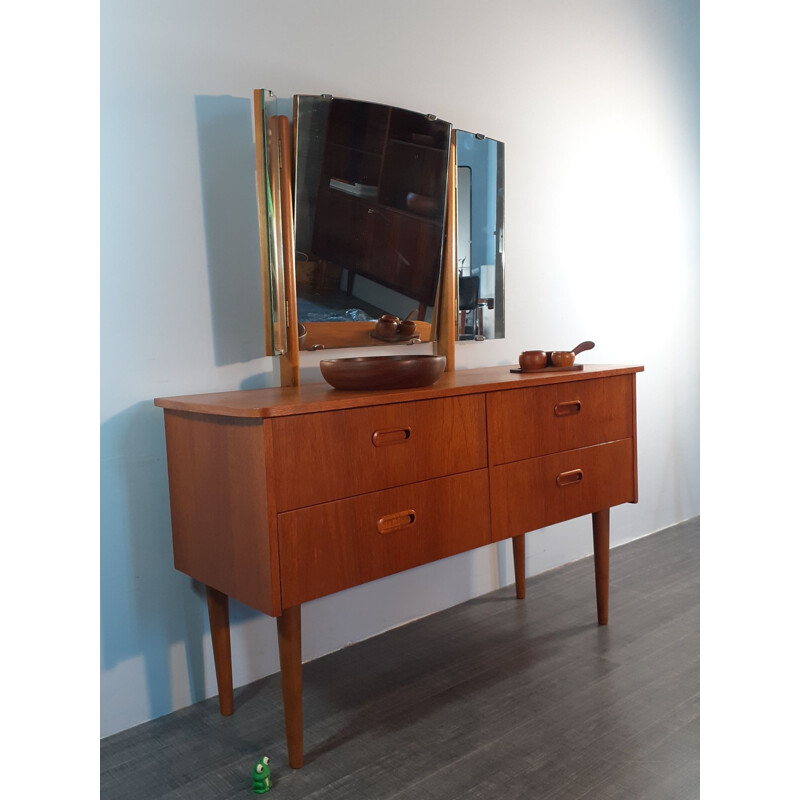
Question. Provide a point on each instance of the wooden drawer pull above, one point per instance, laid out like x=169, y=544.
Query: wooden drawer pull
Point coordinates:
x=569, y=478
x=396, y=436
x=567, y=407
x=393, y=522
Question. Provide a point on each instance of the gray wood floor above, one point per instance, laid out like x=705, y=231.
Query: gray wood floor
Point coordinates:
x=495, y=698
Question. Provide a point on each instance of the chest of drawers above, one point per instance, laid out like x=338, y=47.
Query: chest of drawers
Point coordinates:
x=279, y=496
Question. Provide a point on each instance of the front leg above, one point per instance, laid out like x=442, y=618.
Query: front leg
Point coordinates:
x=600, y=535
x=289, y=646
x=221, y=643
x=518, y=548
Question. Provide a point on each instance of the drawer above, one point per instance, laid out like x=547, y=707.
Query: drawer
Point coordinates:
x=327, y=548
x=525, y=423
x=338, y=454
x=531, y=494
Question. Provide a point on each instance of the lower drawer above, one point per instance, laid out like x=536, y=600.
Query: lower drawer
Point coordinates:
x=537, y=492
x=330, y=547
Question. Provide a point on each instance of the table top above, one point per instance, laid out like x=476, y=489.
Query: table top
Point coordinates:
x=282, y=401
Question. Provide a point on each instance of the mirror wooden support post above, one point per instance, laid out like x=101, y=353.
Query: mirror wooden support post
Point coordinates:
x=263, y=196
x=267, y=152
x=446, y=319
x=290, y=360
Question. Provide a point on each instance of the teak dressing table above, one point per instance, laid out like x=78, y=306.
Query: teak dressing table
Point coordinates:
x=279, y=496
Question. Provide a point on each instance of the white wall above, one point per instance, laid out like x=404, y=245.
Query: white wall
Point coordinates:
x=598, y=106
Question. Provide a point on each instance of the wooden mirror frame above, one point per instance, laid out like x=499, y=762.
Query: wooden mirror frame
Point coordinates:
x=275, y=172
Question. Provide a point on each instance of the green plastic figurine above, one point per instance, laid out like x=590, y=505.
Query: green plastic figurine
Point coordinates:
x=262, y=782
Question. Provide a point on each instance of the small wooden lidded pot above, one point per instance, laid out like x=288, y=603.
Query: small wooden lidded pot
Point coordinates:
x=562, y=358
x=386, y=326
x=530, y=360
x=406, y=327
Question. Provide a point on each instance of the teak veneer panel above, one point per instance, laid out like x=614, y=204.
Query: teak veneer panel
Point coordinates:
x=329, y=547
x=526, y=495
x=535, y=421
x=339, y=454
x=220, y=506
x=314, y=397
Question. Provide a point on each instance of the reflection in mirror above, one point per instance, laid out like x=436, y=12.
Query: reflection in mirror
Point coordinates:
x=370, y=189
x=481, y=228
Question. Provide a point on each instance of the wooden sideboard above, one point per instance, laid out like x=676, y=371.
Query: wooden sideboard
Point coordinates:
x=279, y=496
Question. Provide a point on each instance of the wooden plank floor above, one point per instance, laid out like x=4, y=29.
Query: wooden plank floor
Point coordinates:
x=495, y=698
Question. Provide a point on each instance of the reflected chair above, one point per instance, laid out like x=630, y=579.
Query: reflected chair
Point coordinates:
x=469, y=305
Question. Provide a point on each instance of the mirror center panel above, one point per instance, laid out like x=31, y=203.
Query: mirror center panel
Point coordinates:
x=370, y=190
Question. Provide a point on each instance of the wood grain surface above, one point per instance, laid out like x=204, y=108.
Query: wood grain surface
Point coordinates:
x=329, y=547
x=328, y=456
x=219, y=506
x=313, y=397
x=539, y=420
x=526, y=495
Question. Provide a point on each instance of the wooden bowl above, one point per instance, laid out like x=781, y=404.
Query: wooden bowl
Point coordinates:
x=562, y=358
x=386, y=326
x=382, y=372
x=530, y=360
x=407, y=328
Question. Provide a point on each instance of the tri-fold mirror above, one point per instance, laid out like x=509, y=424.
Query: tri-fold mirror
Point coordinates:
x=369, y=187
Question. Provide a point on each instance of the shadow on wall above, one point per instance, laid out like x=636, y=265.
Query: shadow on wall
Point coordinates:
x=228, y=185
x=146, y=606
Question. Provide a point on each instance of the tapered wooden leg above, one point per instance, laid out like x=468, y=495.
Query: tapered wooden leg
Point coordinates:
x=518, y=547
x=221, y=643
x=292, y=682
x=600, y=530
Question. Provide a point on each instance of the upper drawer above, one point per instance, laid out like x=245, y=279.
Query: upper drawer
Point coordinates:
x=524, y=423
x=337, y=454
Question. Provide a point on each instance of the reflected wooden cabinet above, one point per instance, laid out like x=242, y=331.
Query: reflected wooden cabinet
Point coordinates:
x=379, y=207
x=279, y=496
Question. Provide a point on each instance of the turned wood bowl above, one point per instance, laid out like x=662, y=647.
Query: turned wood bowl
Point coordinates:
x=407, y=327
x=566, y=358
x=382, y=372
x=386, y=326
x=530, y=360
x=562, y=358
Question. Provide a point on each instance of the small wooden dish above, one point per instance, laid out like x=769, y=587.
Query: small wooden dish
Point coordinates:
x=382, y=372
x=574, y=368
x=397, y=339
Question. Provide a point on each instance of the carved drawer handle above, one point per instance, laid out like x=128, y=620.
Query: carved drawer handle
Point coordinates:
x=569, y=478
x=394, y=522
x=395, y=436
x=567, y=407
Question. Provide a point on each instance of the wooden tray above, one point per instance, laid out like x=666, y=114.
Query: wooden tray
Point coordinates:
x=397, y=339
x=573, y=368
